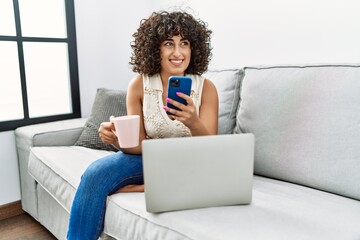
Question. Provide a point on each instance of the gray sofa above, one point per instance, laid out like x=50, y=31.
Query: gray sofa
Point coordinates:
x=306, y=122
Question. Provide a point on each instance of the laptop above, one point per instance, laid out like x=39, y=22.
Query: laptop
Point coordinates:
x=198, y=172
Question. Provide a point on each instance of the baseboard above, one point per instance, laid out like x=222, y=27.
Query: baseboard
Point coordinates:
x=10, y=210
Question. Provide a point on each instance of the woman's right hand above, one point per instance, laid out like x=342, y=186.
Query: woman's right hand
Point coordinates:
x=107, y=133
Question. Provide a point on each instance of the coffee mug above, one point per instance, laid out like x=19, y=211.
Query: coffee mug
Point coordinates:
x=127, y=129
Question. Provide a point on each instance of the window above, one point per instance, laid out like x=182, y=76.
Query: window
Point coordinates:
x=38, y=62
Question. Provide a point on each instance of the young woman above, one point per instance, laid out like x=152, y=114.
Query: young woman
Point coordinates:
x=166, y=44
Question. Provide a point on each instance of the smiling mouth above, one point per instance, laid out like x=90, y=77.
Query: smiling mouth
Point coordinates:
x=176, y=62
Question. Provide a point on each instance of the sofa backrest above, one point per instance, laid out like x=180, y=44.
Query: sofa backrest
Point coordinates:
x=227, y=82
x=306, y=122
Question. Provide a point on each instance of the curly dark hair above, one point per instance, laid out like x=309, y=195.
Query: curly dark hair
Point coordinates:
x=159, y=27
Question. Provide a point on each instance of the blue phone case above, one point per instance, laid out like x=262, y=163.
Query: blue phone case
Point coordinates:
x=178, y=84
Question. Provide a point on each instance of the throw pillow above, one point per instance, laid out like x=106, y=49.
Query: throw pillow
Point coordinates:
x=107, y=103
x=227, y=83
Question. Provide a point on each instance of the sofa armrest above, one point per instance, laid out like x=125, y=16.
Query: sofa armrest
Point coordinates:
x=59, y=133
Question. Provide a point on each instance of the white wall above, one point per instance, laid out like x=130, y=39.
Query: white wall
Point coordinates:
x=9, y=171
x=104, y=43
x=245, y=32
x=282, y=31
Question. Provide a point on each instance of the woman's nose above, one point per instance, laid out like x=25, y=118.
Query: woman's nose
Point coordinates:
x=177, y=52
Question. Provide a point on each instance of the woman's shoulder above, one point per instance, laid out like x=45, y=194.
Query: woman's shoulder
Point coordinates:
x=136, y=83
x=196, y=77
x=209, y=86
x=200, y=78
x=203, y=80
x=208, y=82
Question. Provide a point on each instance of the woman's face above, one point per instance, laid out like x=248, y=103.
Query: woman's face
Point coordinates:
x=175, y=53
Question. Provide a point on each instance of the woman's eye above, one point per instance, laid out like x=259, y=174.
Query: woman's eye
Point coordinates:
x=185, y=43
x=168, y=44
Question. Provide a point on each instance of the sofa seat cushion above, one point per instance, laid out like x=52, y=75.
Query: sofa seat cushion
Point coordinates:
x=58, y=169
x=279, y=210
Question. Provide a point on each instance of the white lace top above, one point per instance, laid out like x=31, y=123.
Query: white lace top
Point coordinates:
x=157, y=123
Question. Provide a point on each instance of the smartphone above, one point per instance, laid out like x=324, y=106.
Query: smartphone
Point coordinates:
x=178, y=84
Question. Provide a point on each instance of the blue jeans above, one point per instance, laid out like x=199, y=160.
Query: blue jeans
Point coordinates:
x=102, y=178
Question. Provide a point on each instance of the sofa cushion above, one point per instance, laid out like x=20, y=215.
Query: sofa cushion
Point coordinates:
x=227, y=83
x=279, y=210
x=107, y=103
x=306, y=122
x=58, y=169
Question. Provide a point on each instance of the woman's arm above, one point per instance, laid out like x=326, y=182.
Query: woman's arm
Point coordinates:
x=209, y=109
x=134, y=99
x=134, y=107
x=207, y=121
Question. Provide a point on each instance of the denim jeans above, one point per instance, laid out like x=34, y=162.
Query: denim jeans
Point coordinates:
x=102, y=178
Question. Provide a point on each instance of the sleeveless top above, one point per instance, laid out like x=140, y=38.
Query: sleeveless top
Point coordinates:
x=156, y=122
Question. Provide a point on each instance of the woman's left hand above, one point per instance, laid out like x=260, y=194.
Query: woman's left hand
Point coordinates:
x=187, y=115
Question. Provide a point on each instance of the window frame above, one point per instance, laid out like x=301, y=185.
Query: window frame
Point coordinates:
x=73, y=68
